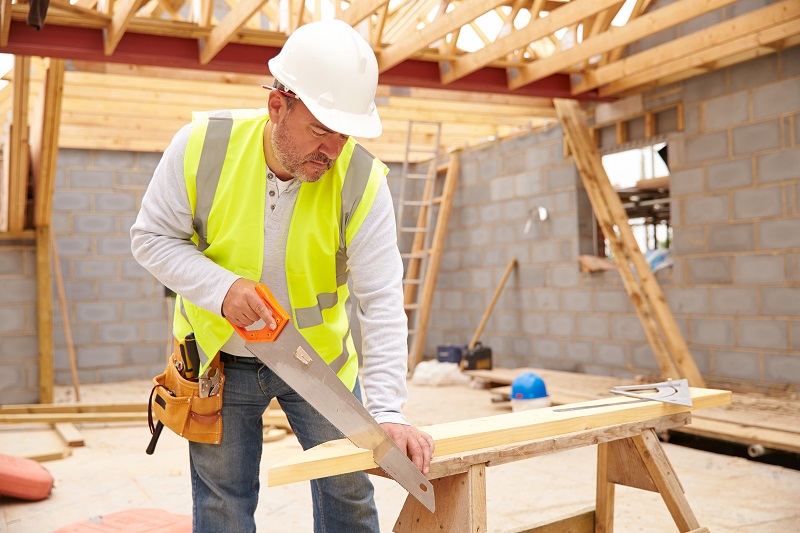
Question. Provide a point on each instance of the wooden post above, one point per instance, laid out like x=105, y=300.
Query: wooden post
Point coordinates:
x=44, y=313
x=489, y=309
x=16, y=166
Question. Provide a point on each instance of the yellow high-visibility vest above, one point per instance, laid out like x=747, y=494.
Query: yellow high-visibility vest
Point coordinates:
x=226, y=181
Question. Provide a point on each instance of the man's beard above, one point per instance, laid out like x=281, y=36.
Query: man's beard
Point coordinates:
x=287, y=154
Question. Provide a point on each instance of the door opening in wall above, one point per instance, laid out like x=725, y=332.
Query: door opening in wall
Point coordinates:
x=641, y=178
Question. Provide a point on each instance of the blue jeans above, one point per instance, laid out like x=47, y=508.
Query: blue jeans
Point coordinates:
x=225, y=476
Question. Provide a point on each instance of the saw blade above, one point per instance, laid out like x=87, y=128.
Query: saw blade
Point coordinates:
x=298, y=364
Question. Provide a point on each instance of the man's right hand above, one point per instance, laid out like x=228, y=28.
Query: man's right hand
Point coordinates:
x=243, y=307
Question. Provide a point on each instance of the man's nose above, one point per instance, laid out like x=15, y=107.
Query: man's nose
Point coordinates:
x=332, y=146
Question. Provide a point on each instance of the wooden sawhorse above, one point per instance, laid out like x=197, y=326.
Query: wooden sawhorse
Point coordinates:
x=627, y=454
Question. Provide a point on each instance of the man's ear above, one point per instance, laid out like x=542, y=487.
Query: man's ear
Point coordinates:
x=276, y=106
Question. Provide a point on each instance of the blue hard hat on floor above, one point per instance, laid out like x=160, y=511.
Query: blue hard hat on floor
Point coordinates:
x=528, y=386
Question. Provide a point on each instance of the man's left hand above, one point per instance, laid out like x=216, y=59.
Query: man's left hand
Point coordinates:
x=416, y=444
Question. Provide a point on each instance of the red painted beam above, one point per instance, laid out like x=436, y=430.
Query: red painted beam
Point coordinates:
x=70, y=42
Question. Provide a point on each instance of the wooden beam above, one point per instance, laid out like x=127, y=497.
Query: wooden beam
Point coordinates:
x=403, y=49
x=486, y=433
x=223, y=32
x=578, y=522
x=595, y=179
x=16, y=163
x=536, y=29
x=616, y=53
x=704, y=57
x=359, y=10
x=5, y=21
x=124, y=11
x=44, y=141
x=688, y=45
x=80, y=10
x=44, y=314
x=636, y=29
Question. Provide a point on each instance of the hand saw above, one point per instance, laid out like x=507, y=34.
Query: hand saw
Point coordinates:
x=291, y=357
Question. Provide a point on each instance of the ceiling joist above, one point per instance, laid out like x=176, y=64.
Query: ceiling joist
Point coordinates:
x=123, y=13
x=360, y=9
x=223, y=32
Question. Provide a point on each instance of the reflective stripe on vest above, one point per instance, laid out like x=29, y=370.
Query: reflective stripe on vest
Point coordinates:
x=209, y=171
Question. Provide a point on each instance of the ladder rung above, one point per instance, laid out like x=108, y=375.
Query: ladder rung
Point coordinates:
x=412, y=281
x=420, y=176
x=410, y=307
x=419, y=202
x=410, y=255
x=423, y=150
x=437, y=200
x=413, y=230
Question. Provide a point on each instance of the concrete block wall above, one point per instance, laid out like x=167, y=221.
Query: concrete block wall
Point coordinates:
x=118, y=312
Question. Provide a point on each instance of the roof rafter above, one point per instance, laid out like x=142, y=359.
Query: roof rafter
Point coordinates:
x=222, y=32
x=563, y=16
x=359, y=10
x=658, y=20
x=124, y=11
x=439, y=28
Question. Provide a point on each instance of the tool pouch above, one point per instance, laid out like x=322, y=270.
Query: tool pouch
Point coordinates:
x=176, y=402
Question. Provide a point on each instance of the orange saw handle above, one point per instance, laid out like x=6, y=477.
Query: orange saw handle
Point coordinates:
x=278, y=314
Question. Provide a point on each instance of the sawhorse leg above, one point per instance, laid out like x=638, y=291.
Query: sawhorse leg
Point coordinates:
x=460, y=505
x=639, y=462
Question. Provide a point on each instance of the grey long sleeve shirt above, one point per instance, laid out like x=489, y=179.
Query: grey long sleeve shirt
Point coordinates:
x=160, y=241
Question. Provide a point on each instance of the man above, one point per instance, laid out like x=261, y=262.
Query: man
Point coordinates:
x=285, y=197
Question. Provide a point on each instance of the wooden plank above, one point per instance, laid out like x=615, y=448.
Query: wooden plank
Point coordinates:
x=72, y=437
x=17, y=163
x=687, y=45
x=73, y=418
x=44, y=314
x=224, y=31
x=604, y=497
x=44, y=141
x=581, y=144
x=124, y=11
x=79, y=10
x=660, y=19
x=341, y=456
x=581, y=521
x=567, y=15
x=625, y=466
x=359, y=10
x=66, y=408
x=704, y=57
x=743, y=434
x=5, y=21
x=401, y=50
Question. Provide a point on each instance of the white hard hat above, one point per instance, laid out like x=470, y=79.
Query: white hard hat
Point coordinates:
x=333, y=71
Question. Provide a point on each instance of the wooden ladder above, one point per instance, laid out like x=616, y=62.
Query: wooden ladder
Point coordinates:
x=641, y=285
x=424, y=253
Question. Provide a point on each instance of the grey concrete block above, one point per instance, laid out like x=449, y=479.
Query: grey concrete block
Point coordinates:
x=520, y=252
x=113, y=159
x=546, y=299
x=513, y=163
x=563, y=226
x=563, y=176
x=69, y=246
x=91, y=179
x=790, y=62
x=71, y=201
x=118, y=289
x=795, y=332
x=576, y=300
x=779, y=166
x=114, y=246
x=61, y=223
x=689, y=240
x=754, y=73
x=16, y=290
x=516, y=210
x=538, y=156
x=94, y=224
x=100, y=356
x=488, y=213
x=522, y=347
x=782, y=368
x=709, y=270
x=501, y=188
x=704, y=87
x=756, y=203
x=94, y=268
x=611, y=354
x=737, y=364
x=150, y=353
x=480, y=279
x=544, y=252
x=706, y=147
x=529, y=183
x=712, y=331
x=779, y=234
x=82, y=335
x=710, y=208
x=627, y=328
x=581, y=352
x=594, y=326
x=611, y=301
x=79, y=290
x=531, y=276
x=759, y=268
x=731, y=238
x=756, y=137
x=18, y=347
x=780, y=301
x=547, y=348
x=687, y=300
x=12, y=262
x=126, y=373
x=534, y=324
x=68, y=157
x=727, y=110
x=115, y=202
x=691, y=119
x=506, y=233
x=98, y=312
x=730, y=174
x=776, y=98
x=12, y=376
x=734, y=301
x=642, y=357
x=768, y=333
x=118, y=333
x=561, y=325
x=488, y=168
x=133, y=180
x=563, y=276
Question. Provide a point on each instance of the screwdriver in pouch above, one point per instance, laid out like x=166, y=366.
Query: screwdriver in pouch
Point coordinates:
x=190, y=356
